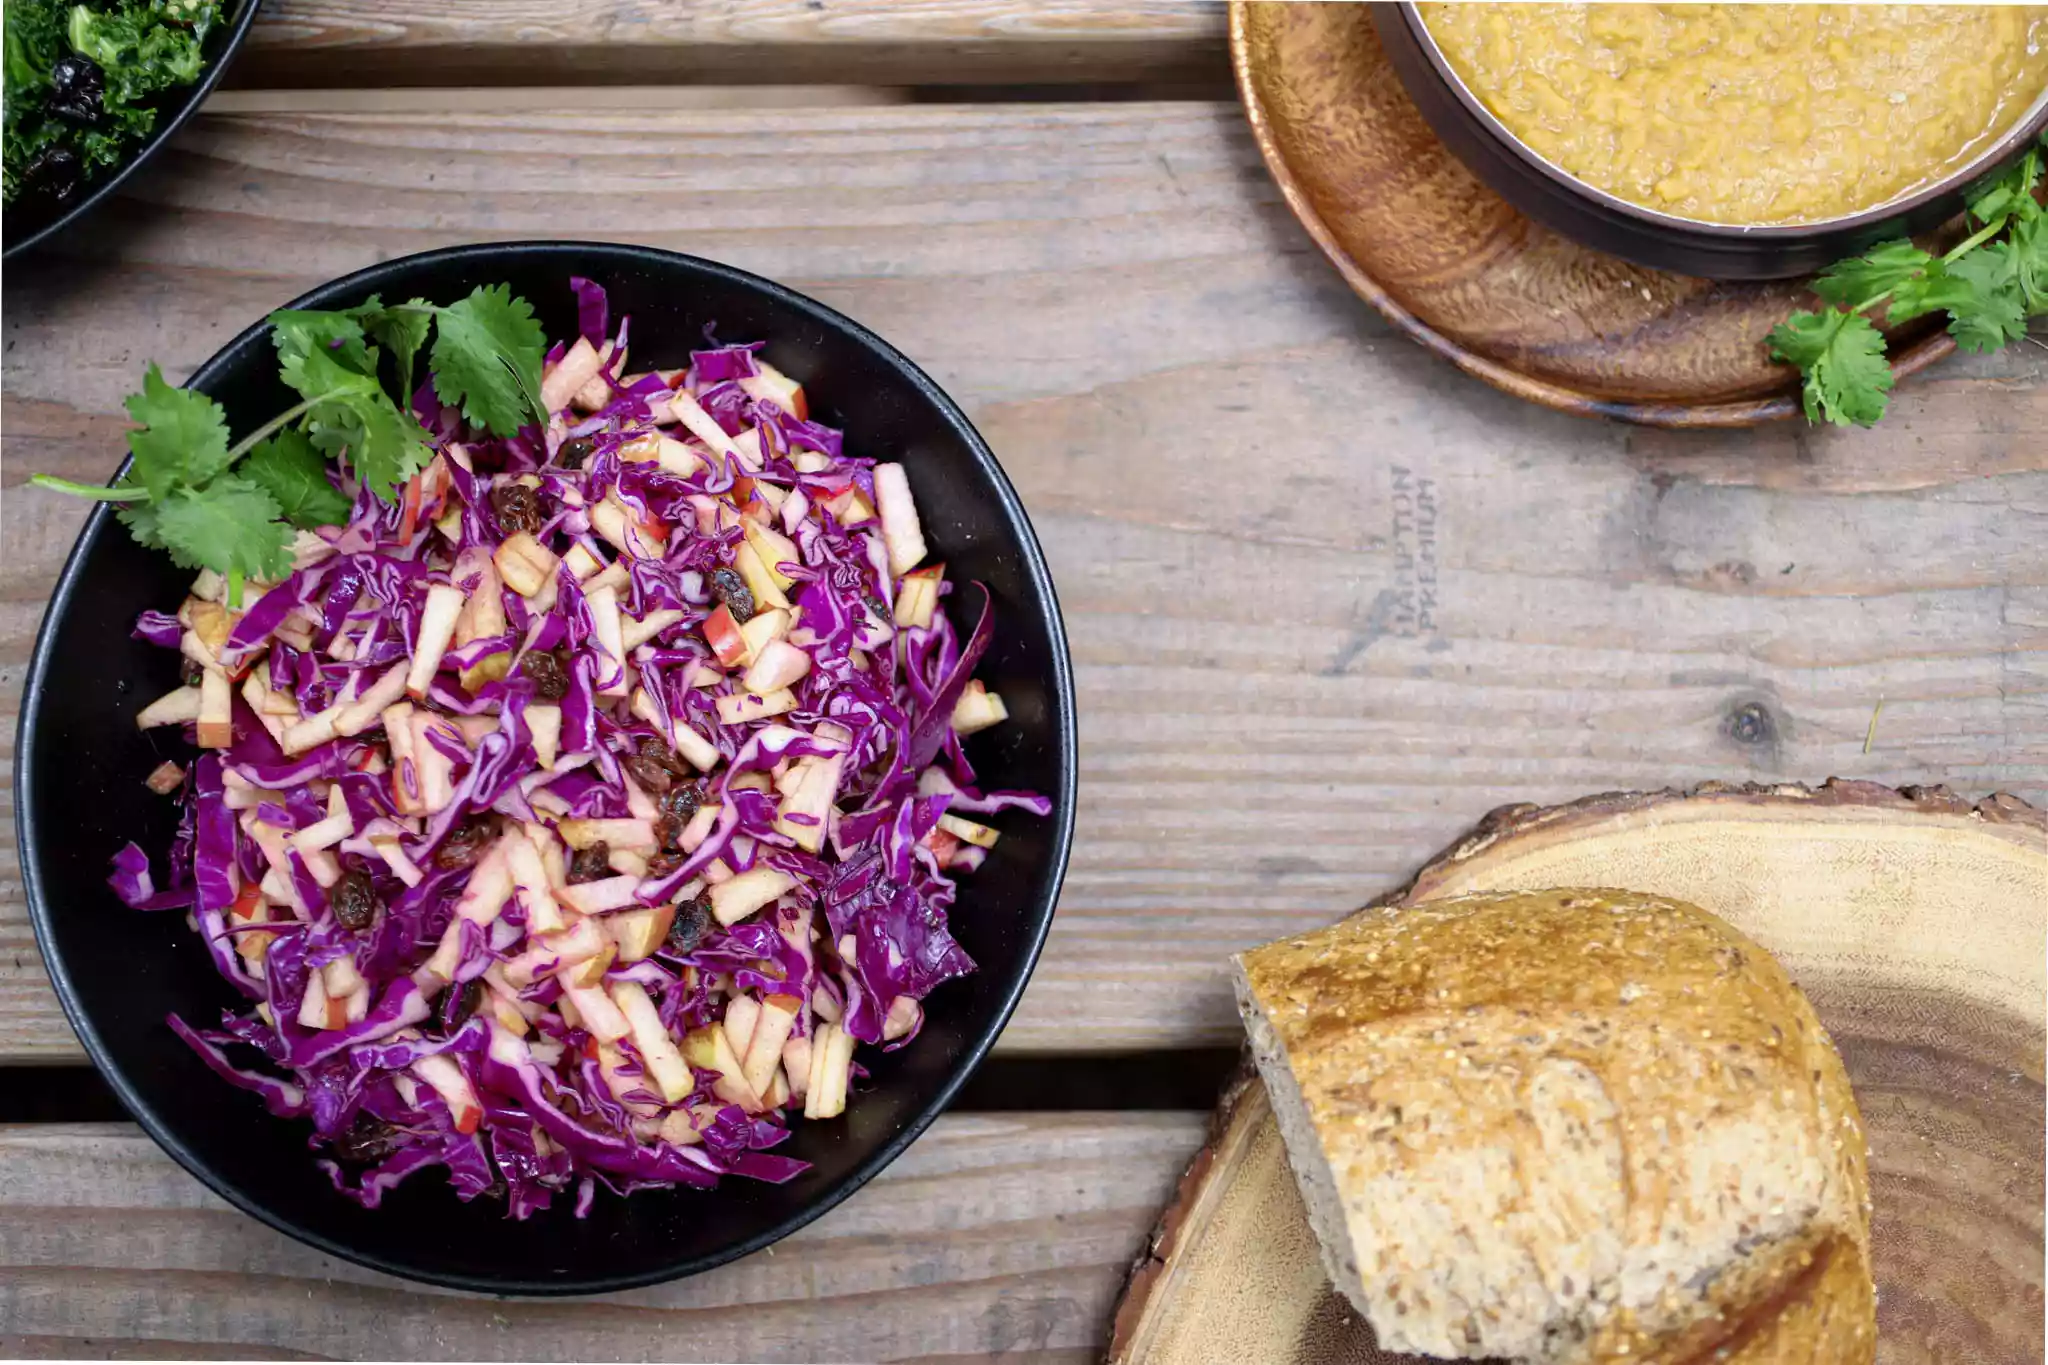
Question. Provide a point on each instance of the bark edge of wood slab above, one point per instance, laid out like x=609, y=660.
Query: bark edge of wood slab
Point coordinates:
x=1939, y=1019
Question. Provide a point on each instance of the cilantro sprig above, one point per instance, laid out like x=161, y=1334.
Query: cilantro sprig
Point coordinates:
x=1989, y=284
x=234, y=508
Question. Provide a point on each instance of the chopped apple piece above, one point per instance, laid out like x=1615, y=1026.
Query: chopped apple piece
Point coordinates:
x=778, y=665
x=581, y=834
x=327, y=833
x=639, y=932
x=165, y=778
x=175, y=707
x=601, y=896
x=405, y=781
x=216, y=710
x=582, y=564
x=697, y=750
x=761, y=582
x=489, y=885
x=700, y=423
x=657, y=1051
x=771, y=385
x=763, y=629
x=722, y=633
x=598, y=391
x=900, y=529
x=742, y=707
x=437, y=628
x=796, y=1063
x=313, y=1004
x=577, y=367
x=341, y=976
x=483, y=611
x=764, y=1048
x=368, y=708
x=444, y=1074
x=604, y=617
x=734, y=900
x=773, y=548
x=831, y=1065
x=434, y=768
x=918, y=596
x=977, y=709
x=638, y=631
x=601, y=1018
x=742, y=1014
x=699, y=829
x=677, y=1128
x=311, y=732
x=526, y=565
x=903, y=1018
x=676, y=458
x=530, y=876
x=544, y=719
x=968, y=831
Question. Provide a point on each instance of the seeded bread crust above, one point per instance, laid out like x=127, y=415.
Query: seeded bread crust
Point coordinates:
x=1568, y=1126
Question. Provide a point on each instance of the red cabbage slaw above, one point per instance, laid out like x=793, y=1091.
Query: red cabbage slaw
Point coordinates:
x=572, y=819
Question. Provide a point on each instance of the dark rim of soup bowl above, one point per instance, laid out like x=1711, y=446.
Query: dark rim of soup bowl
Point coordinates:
x=37, y=222
x=1560, y=200
x=594, y=260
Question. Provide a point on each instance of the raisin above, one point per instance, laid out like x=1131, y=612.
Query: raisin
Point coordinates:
x=467, y=1002
x=880, y=608
x=54, y=173
x=354, y=901
x=575, y=451
x=728, y=587
x=76, y=87
x=547, y=672
x=656, y=748
x=693, y=917
x=518, y=508
x=647, y=774
x=466, y=842
x=368, y=1139
x=661, y=864
x=668, y=832
x=683, y=800
x=591, y=864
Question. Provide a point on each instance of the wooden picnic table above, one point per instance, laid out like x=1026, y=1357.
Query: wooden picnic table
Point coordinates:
x=1330, y=600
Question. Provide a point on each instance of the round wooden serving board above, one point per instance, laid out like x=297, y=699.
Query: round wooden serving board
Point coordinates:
x=1453, y=265
x=1917, y=924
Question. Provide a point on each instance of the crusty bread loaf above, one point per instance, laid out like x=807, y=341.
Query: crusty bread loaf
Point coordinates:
x=1568, y=1126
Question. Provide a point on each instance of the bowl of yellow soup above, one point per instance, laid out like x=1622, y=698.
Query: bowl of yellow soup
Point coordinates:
x=1732, y=141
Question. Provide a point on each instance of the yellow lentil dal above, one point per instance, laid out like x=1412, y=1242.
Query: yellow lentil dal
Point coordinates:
x=1751, y=114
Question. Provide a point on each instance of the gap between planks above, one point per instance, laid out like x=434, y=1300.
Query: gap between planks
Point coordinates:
x=989, y=1235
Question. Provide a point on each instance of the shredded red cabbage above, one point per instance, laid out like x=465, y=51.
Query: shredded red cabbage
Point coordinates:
x=571, y=821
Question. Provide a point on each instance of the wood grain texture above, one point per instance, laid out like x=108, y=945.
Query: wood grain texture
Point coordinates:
x=329, y=43
x=1329, y=599
x=991, y=1238
x=1917, y=926
x=1452, y=263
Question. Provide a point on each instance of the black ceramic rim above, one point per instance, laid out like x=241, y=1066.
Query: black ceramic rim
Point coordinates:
x=574, y=256
x=194, y=96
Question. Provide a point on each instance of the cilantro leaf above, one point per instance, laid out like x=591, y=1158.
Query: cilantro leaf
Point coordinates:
x=1934, y=290
x=295, y=474
x=184, y=439
x=1855, y=281
x=1842, y=356
x=295, y=331
x=1996, y=311
x=350, y=414
x=2030, y=261
x=230, y=526
x=140, y=519
x=487, y=354
x=404, y=330
x=2012, y=192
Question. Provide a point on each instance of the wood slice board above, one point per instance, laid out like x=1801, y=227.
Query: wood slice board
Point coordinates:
x=1915, y=921
x=1452, y=264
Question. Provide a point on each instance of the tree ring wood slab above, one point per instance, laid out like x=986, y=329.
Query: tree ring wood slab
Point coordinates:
x=1457, y=268
x=1916, y=921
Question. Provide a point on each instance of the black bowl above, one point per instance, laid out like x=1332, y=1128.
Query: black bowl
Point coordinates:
x=1663, y=241
x=80, y=766
x=28, y=223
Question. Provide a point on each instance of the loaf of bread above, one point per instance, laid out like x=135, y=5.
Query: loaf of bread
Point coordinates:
x=1568, y=1126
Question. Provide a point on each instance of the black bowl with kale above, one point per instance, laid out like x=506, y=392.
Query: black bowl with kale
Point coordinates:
x=93, y=90
x=80, y=763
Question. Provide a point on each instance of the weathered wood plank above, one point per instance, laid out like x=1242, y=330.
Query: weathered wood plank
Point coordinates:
x=749, y=42
x=991, y=1237
x=1248, y=489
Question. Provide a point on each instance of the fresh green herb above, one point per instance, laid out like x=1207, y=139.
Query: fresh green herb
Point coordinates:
x=83, y=81
x=233, y=508
x=1989, y=284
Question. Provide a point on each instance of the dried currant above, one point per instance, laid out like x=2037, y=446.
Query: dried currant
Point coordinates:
x=466, y=1002
x=683, y=801
x=728, y=587
x=368, y=1139
x=354, y=900
x=548, y=674
x=693, y=917
x=574, y=451
x=466, y=842
x=517, y=507
x=647, y=774
x=77, y=86
x=591, y=864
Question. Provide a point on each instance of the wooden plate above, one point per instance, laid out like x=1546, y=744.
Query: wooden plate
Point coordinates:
x=1917, y=924
x=1450, y=263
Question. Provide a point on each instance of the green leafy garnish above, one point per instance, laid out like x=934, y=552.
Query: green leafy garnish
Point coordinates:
x=1989, y=284
x=234, y=508
x=487, y=359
